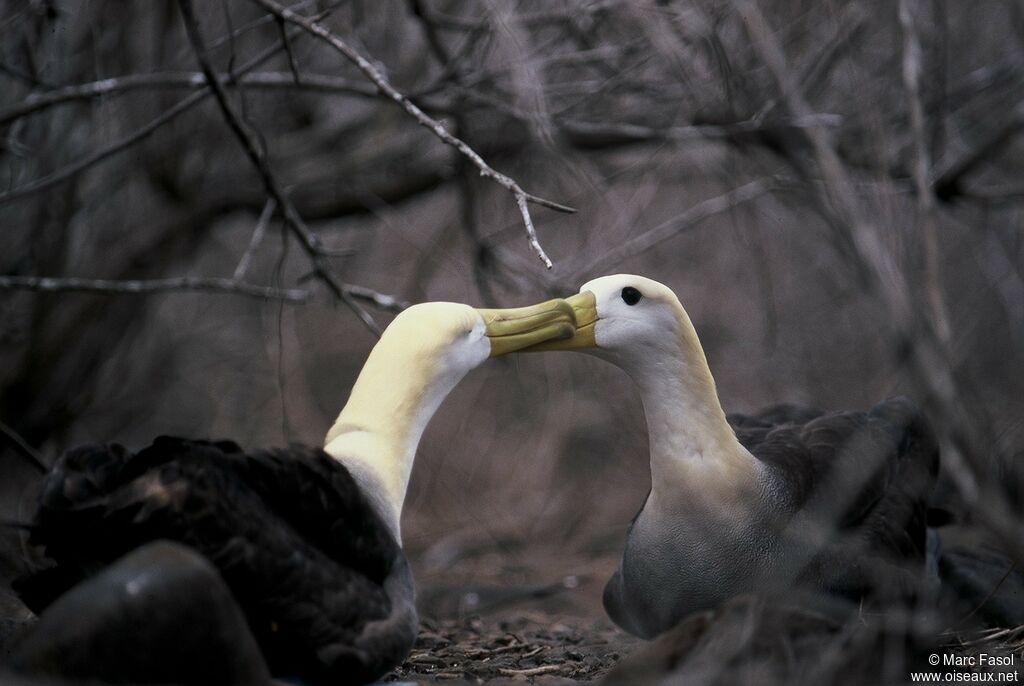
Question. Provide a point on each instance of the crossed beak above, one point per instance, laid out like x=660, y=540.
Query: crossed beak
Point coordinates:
x=584, y=307
x=510, y=330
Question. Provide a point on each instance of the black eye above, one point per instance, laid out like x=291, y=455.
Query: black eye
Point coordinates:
x=631, y=296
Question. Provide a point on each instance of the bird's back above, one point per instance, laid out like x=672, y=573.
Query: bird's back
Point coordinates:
x=854, y=489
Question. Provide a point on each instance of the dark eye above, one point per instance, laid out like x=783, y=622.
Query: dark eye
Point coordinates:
x=631, y=296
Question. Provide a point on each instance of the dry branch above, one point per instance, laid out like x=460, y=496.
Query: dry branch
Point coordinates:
x=255, y=239
x=912, y=69
x=385, y=87
x=257, y=155
x=127, y=141
x=530, y=19
x=609, y=133
x=666, y=230
x=914, y=337
x=48, y=284
x=189, y=79
x=21, y=446
x=381, y=301
x=851, y=22
x=949, y=179
x=530, y=672
x=836, y=195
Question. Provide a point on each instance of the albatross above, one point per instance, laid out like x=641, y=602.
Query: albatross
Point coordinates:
x=308, y=539
x=789, y=500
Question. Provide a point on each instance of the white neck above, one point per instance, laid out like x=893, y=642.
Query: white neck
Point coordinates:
x=403, y=382
x=695, y=455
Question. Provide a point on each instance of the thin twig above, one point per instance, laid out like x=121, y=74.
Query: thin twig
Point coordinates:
x=15, y=524
x=256, y=239
x=452, y=72
x=852, y=20
x=988, y=596
x=257, y=155
x=250, y=142
x=22, y=447
x=188, y=79
x=666, y=230
x=532, y=671
x=530, y=19
x=922, y=162
x=293, y=63
x=117, y=146
x=997, y=195
x=949, y=179
x=624, y=132
x=920, y=348
x=125, y=142
x=50, y=284
x=381, y=301
x=836, y=197
x=379, y=80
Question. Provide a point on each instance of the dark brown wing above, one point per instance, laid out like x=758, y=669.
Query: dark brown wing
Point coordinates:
x=862, y=478
x=776, y=415
x=289, y=530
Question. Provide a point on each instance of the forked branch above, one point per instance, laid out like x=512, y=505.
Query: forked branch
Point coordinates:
x=48, y=284
x=381, y=82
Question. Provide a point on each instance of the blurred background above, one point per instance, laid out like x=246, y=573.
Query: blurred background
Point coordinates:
x=835, y=190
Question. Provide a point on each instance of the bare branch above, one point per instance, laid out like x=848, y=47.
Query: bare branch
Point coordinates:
x=256, y=239
x=125, y=142
x=381, y=301
x=915, y=337
x=257, y=155
x=852, y=20
x=948, y=180
x=22, y=447
x=836, y=196
x=48, y=284
x=911, y=82
x=530, y=19
x=998, y=195
x=121, y=144
x=420, y=116
x=608, y=133
x=922, y=163
x=249, y=141
x=293, y=63
x=189, y=79
x=666, y=230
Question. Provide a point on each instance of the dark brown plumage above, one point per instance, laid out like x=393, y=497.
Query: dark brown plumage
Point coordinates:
x=865, y=478
x=322, y=581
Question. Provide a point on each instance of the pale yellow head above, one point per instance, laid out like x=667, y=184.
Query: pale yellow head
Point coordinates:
x=419, y=359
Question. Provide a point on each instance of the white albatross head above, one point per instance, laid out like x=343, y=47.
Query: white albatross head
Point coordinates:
x=630, y=320
x=640, y=326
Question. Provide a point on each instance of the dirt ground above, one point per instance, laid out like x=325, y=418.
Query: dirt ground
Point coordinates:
x=514, y=647
x=746, y=641
x=512, y=619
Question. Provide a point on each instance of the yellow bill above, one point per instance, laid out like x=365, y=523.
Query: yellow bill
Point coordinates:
x=584, y=307
x=514, y=329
